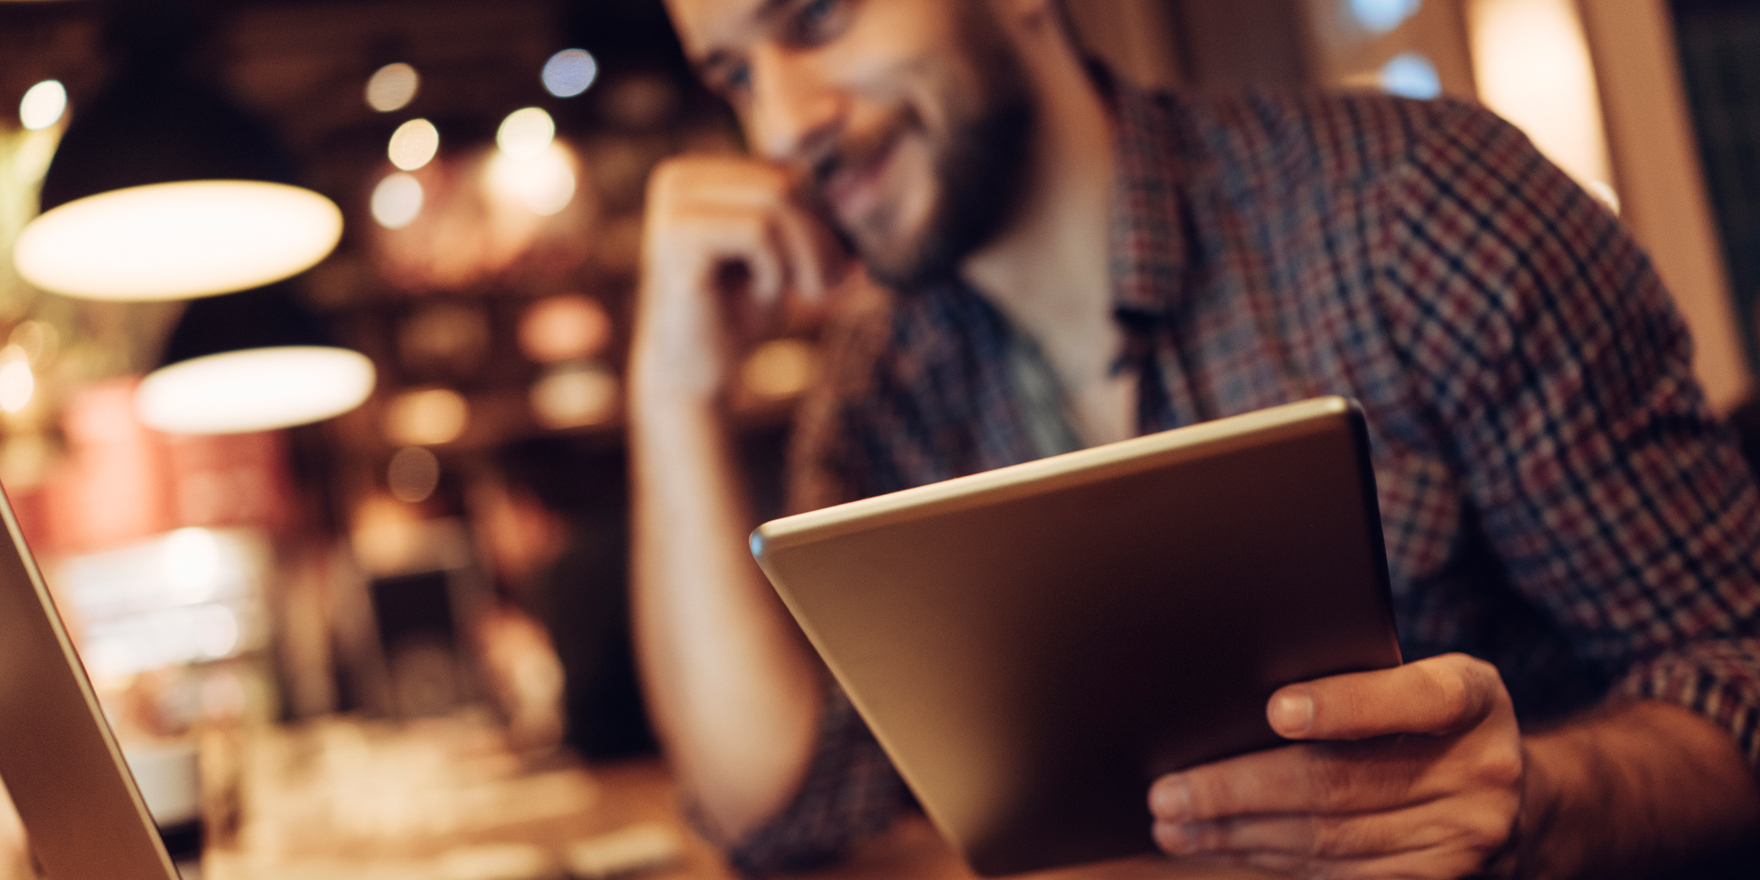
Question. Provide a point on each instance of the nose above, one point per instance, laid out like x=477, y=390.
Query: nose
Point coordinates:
x=795, y=111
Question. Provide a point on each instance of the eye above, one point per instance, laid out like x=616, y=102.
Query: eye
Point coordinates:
x=738, y=79
x=819, y=21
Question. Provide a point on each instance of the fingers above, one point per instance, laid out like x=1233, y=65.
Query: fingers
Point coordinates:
x=1440, y=695
x=728, y=257
x=1417, y=864
x=1477, y=823
x=720, y=236
x=1295, y=779
x=698, y=193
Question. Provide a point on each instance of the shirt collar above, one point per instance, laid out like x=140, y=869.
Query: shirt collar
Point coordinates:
x=1147, y=239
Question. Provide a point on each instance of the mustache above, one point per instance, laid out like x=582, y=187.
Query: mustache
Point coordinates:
x=850, y=151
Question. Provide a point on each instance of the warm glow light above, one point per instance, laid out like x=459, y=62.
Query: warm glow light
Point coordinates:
x=392, y=87
x=1531, y=61
x=177, y=240
x=192, y=565
x=257, y=389
x=576, y=396
x=414, y=144
x=1603, y=192
x=17, y=383
x=779, y=369
x=397, y=201
x=43, y=105
x=566, y=327
x=543, y=183
x=426, y=418
x=570, y=72
x=215, y=628
x=525, y=133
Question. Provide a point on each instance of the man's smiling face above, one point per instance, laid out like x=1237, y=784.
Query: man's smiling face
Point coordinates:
x=908, y=121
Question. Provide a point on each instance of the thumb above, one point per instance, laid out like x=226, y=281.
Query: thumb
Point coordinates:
x=1436, y=696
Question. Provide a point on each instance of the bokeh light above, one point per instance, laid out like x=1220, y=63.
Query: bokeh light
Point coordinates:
x=576, y=395
x=392, y=87
x=525, y=132
x=1382, y=16
x=414, y=474
x=42, y=105
x=543, y=183
x=779, y=369
x=1411, y=75
x=414, y=144
x=17, y=382
x=1603, y=193
x=566, y=327
x=570, y=72
x=192, y=564
x=428, y=417
x=397, y=200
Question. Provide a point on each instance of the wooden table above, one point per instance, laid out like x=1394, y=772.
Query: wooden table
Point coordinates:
x=343, y=799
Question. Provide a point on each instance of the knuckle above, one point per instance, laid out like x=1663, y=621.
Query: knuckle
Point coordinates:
x=1210, y=836
x=1485, y=830
x=1448, y=686
x=1333, y=780
x=1205, y=792
x=1325, y=836
x=1500, y=766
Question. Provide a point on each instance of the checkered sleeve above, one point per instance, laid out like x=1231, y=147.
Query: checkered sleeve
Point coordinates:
x=1559, y=374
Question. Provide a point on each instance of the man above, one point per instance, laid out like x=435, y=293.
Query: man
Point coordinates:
x=1069, y=262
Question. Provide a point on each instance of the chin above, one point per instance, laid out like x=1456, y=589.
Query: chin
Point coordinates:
x=902, y=254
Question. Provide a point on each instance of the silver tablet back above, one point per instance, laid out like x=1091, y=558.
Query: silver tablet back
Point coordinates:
x=59, y=761
x=1034, y=645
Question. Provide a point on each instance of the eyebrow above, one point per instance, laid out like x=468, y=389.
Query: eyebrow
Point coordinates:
x=718, y=58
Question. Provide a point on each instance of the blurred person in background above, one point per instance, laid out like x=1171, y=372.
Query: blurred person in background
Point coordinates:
x=555, y=526
x=1023, y=255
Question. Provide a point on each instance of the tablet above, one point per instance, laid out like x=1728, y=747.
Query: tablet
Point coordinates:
x=1034, y=645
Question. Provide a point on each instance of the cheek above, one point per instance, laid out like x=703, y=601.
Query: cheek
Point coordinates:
x=918, y=183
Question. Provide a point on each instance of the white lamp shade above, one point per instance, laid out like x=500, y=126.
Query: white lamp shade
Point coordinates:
x=256, y=389
x=177, y=240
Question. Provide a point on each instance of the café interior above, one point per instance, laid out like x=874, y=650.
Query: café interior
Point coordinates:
x=325, y=465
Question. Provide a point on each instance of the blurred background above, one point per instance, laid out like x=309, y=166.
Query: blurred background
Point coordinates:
x=449, y=533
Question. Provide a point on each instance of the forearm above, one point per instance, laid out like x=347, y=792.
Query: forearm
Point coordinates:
x=732, y=685
x=1630, y=791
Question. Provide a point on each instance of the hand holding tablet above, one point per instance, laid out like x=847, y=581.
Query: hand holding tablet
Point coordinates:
x=1034, y=646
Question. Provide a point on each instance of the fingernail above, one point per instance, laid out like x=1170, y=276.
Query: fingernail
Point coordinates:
x=1171, y=799
x=1173, y=838
x=1292, y=712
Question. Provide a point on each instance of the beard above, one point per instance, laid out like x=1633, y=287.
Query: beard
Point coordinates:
x=979, y=164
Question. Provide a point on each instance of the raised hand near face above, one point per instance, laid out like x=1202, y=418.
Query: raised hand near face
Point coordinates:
x=728, y=254
x=1412, y=772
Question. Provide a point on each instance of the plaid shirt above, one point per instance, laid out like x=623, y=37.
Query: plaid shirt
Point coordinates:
x=1555, y=496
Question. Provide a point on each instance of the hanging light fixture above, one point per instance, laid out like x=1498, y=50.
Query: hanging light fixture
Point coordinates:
x=162, y=189
x=252, y=361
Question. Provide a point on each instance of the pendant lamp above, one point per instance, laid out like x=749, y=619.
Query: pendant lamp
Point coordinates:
x=251, y=361
x=162, y=189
